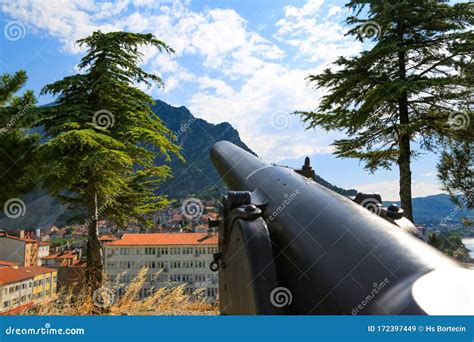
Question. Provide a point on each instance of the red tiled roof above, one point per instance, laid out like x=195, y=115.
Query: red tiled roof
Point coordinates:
x=166, y=239
x=107, y=238
x=14, y=274
x=20, y=239
x=8, y=263
x=61, y=255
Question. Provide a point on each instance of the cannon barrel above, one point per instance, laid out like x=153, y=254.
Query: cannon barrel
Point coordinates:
x=325, y=254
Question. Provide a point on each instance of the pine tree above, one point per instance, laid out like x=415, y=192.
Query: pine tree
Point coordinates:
x=456, y=165
x=101, y=139
x=16, y=144
x=406, y=87
x=456, y=172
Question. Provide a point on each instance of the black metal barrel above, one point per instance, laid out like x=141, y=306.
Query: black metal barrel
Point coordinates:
x=336, y=257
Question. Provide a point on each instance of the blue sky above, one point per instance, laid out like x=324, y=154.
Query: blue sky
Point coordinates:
x=243, y=62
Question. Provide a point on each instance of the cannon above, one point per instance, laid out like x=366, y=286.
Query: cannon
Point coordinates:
x=289, y=246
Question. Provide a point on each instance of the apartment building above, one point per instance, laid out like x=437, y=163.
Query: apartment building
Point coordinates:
x=25, y=286
x=60, y=259
x=22, y=251
x=43, y=251
x=171, y=258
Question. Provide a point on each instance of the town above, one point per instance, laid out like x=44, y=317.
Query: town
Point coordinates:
x=36, y=264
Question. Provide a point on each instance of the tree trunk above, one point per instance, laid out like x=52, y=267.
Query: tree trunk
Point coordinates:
x=405, y=176
x=404, y=144
x=94, y=275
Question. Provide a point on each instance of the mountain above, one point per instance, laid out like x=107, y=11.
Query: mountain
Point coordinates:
x=197, y=175
x=435, y=210
x=196, y=136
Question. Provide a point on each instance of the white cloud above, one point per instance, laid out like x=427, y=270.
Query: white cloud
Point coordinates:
x=334, y=10
x=310, y=8
x=67, y=20
x=249, y=82
x=251, y=108
x=229, y=72
x=390, y=189
x=317, y=38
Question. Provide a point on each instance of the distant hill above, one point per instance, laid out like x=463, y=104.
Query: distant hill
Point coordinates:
x=431, y=210
x=196, y=136
x=197, y=175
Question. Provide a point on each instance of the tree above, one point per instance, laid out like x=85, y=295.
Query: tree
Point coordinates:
x=456, y=166
x=101, y=139
x=16, y=144
x=406, y=87
x=456, y=172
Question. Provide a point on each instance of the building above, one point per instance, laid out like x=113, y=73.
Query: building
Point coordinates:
x=43, y=251
x=171, y=258
x=60, y=259
x=19, y=250
x=24, y=286
x=104, y=239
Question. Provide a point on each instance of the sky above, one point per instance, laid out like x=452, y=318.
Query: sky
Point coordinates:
x=240, y=61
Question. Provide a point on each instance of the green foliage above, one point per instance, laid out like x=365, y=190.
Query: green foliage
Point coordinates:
x=102, y=134
x=456, y=172
x=364, y=91
x=449, y=243
x=102, y=139
x=16, y=144
x=405, y=87
x=61, y=242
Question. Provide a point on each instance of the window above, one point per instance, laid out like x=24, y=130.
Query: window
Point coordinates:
x=150, y=250
x=149, y=264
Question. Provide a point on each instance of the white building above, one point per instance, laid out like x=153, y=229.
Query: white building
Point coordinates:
x=171, y=259
x=43, y=251
x=25, y=286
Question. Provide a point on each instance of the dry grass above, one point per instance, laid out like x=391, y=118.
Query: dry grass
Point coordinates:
x=164, y=301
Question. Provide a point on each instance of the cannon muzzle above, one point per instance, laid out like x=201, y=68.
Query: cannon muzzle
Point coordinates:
x=288, y=245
